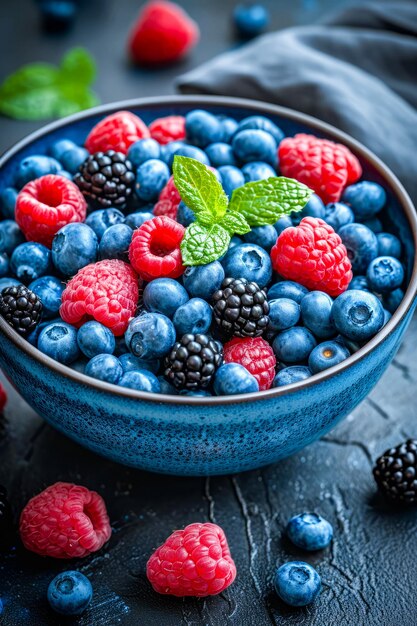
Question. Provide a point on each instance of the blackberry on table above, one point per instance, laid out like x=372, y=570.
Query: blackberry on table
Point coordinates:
x=193, y=361
x=21, y=308
x=395, y=473
x=106, y=179
x=240, y=308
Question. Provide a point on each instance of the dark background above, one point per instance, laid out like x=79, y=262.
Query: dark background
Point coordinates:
x=369, y=571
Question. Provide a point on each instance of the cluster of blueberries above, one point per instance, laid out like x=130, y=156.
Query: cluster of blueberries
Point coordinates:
x=308, y=331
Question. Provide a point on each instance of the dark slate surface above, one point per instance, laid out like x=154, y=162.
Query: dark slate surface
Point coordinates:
x=369, y=570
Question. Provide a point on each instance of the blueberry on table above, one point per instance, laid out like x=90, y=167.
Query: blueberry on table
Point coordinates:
x=297, y=583
x=233, y=378
x=309, y=531
x=250, y=20
x=70, y=593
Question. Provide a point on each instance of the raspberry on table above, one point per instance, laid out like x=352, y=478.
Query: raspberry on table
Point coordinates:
x=47, y=204
x=169, y=200
x=169, y=128
x=256, y=355
x=155, y=249
x=106, y=179
x=107, y=291
x=116, y=132
x=195, y=561
x=65, y=521
x=325, y=166
x=313, y=255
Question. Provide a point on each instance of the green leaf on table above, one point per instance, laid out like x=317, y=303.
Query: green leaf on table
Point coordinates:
x=41, y=91
x=235, y=223
x=203, y=244
x=199, y=187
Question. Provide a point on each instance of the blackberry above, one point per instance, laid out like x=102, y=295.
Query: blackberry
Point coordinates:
x=21, y=308
x=193, y=361
x=106, y=179
x=395, y=473
x=240, y=308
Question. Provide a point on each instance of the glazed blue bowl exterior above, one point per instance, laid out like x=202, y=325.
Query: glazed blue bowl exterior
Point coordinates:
x=205, y=436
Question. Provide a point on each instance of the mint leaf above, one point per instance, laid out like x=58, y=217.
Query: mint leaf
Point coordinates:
x=203, y=244
x=199, y=188
x=235, y=223
x=41, y=91
x=265, y=201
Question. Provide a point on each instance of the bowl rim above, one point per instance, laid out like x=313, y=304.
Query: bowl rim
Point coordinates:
x=254, y=107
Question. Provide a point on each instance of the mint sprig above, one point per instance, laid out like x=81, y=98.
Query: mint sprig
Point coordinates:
x=40, y=91
x=254, y=204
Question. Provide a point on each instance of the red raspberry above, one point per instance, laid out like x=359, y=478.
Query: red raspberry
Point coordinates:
x=195, y=561
x=107, y=291
x=3, y=398
x=46, y=204
x=325, y=166
x=166, y=129
x=256, y=355
x=155, y=248
x=116, y=132
x=169, y=200
x=65, y=521
x=313, y=255
x=162, y=34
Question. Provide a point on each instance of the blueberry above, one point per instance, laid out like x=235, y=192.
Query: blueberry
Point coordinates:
x=142, y=151
x=250, y=20
x=7, y=281
x=135, y=220
x=105, y=367
x=164, y=295
x=93, y=338
x=259, y=122
x=102, y=219
x=337, y=214
x=235, y=241
x=316, y=308
x=57, y=149
x=326, y=355
x=309, y=531
x=361, y=245
x=366, y=199
x=4, y=264
x=59, y=341
x=255, y=145
x=49, y=289
x=57, y=14
x=168, y=151
x=297, y=583
x=141, y=380
x=231, y=178
x=151, y=178
x=392, y=300
x=374, y=224
x=202, y=128
x=283, y=313
x=150, y=335
x=387, y=316
x=30, y=260
x=73, y=158
x=70, y=593
x=34, y=335
x=220, y=154
x=313, y=208
x=115, y=242
x=385, y=273
x=229, y=127
x=264, y=236
x=166, y=387
x=248, y=261
x=130, y=362
x=388, y=245
x=73, y=247
x=257, y=170
x=185, y=215
x=8, y=198
x=192, y=152
x=233, y=378
x=201, y=281
x=284, y=222
x=358, y=315
x=294, y=345
x=287, y=289
x=10, y=236
x=34, y=167
x=290, y=375
x=193, y=317
x=359, y=282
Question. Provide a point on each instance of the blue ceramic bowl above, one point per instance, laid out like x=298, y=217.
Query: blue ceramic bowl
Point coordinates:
x=216, y=435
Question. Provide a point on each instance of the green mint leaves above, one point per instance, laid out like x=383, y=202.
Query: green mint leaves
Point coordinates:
x=40, y=91
x=217, y=220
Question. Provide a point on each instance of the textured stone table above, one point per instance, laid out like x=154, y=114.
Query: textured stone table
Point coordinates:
x=368, y=572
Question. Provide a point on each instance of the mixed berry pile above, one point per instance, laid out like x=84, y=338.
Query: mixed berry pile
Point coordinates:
x=197, y=256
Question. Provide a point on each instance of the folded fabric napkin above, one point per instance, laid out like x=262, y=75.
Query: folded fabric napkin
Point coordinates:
x=356, y=70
